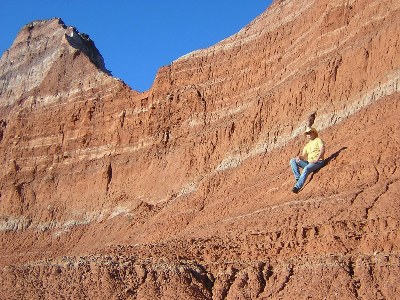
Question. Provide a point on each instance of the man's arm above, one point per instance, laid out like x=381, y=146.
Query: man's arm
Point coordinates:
x=302, y=156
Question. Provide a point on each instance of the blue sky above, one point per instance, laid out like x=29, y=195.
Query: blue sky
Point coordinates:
x=137, y=37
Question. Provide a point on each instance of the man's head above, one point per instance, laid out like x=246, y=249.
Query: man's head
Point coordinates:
x=311, y=133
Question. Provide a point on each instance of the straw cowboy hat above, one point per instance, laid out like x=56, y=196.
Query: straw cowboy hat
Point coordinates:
x=310, y=129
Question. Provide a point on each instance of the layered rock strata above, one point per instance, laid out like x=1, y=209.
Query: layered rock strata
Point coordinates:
x=185, y=189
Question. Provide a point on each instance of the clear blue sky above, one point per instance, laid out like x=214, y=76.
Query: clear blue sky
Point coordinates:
x=137, y=37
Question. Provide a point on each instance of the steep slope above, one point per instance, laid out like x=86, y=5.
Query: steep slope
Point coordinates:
x=184, y=191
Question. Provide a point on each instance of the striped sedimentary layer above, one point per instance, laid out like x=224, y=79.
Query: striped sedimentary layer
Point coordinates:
x=191, y=177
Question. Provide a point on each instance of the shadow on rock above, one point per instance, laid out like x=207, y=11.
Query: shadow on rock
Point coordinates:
x=327, y=161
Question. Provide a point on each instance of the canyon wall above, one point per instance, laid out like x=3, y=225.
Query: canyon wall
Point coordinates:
x=184, y=191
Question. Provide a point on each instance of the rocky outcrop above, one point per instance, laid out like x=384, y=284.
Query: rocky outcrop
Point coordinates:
x=50, y=62
x=184, y=190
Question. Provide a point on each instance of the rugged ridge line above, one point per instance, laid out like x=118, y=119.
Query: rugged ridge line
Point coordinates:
x=49, y=62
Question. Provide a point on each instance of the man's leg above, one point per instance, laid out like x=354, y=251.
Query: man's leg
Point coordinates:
x=306, y=171
x=295, y=167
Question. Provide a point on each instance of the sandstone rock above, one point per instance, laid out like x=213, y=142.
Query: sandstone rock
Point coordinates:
x=184, y=190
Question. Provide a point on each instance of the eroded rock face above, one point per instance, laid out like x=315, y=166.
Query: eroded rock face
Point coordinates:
x=47, y=63
x=184, y=190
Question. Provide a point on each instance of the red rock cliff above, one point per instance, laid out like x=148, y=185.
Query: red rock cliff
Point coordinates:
x=184, y=190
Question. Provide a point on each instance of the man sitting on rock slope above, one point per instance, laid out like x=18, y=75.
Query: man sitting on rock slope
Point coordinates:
x=310, y=160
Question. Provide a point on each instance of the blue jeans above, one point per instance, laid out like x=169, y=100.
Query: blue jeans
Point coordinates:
x=307, y=169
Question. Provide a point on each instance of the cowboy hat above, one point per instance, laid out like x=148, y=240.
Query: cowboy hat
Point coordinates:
x=310, y=129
